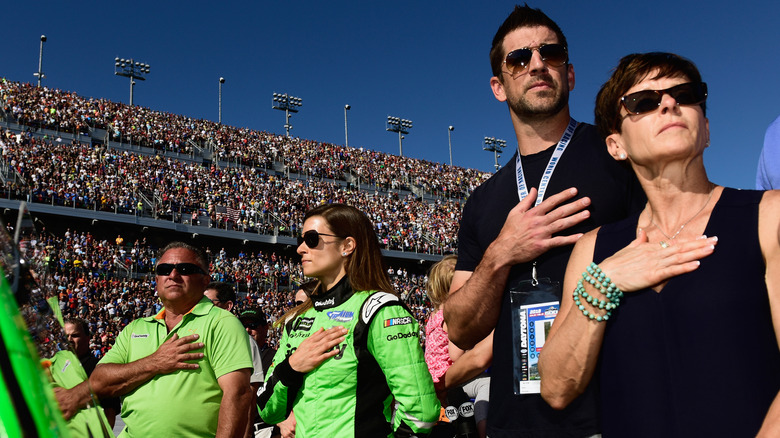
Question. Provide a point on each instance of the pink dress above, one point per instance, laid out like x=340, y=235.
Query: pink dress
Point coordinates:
x=437, y=353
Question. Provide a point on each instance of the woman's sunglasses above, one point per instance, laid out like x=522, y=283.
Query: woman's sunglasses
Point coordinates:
x=645, y=101
x=554, y=55
x=181, y=268
x=312, y=238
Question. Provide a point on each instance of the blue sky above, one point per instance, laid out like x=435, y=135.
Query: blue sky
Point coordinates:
x=423, y=61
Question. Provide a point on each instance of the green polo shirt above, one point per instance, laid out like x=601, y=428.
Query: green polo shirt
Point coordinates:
x=184, y=402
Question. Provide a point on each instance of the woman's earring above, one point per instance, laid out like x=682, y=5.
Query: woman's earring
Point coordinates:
x=622, y=156
x=344, y=254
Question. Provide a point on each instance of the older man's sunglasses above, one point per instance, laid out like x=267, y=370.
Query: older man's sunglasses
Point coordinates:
x=554, y=55
x=312, y=238
x=645, y=101
x=181, y=268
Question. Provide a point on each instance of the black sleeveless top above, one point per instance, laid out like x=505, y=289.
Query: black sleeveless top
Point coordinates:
x=700, y=358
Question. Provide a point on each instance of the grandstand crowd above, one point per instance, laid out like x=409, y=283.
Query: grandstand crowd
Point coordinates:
x=110, y=283
x=246, y=197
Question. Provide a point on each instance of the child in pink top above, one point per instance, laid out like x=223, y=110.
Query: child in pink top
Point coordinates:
x=437, y=354
x=440, y=353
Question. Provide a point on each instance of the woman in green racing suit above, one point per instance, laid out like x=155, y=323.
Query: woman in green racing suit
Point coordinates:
x=349, y=362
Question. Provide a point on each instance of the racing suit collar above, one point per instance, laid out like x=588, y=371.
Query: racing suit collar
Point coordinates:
x=334, y=297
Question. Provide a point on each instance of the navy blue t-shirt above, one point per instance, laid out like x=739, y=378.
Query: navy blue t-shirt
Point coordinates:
x=615, y=193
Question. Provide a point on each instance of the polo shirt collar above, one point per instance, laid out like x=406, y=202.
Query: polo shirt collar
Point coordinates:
x=201, y=308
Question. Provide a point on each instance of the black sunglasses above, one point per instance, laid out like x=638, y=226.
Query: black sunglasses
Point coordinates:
x=312, y=238
x=181, y=268
x=554, y=55
x=299, y=302
x=252, y=325
x=645, y=101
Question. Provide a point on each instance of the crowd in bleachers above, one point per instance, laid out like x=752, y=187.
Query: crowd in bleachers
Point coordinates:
x=80, y=175
x=243, y=197
x=110, y=283
x=67, y=111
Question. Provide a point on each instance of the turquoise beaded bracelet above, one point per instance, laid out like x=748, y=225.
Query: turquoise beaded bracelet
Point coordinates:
x=594, y=276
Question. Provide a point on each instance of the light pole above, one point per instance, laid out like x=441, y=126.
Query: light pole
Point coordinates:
x=40, y=74
x=449, y=140
x=288, y=104
x=221, y=81
x=401, y=126
x=496, y=146
x=132, y=69
x=346, y=132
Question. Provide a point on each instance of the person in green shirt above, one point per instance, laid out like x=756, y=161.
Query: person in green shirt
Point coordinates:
x=184, y=371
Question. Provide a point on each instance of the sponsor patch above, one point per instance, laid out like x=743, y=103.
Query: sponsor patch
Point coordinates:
x=133, y=336
x=402, y=336
x=303, y=324
x=328, y=302
x=67, y=364
x=341, y=315
x=398, y=321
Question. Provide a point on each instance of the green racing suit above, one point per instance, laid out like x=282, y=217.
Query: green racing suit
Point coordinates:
x=377, y=385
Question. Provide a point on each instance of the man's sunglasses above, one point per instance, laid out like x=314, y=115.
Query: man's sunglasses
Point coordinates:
x=312, y=238
x=554, y=55
x=645, y=101
x=252, y=325
x=181, y=268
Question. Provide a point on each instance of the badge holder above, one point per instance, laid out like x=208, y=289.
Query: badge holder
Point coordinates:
x=535, y=304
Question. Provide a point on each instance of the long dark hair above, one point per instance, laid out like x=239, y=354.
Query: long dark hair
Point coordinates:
x=365, y=267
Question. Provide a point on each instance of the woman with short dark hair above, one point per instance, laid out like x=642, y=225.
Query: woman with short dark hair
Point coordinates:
x=675, y=310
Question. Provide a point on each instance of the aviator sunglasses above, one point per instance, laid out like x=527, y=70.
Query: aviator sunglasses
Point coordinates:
x=181, y=268
x=689, y=93
x=312, y=238
x=554, y=55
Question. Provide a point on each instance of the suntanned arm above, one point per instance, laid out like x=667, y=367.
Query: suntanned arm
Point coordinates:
x=769, y=237
x=113, y=380
x=580, y=340
x=472, y=310
x=234, y=407
x=72, y=400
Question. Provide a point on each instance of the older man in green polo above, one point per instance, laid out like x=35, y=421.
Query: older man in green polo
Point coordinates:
x=184, y=371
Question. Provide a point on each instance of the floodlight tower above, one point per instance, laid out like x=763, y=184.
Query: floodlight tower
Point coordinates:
x=132, y=69
x=221, y=81
x=449, y=140
x=401, y=126
x=496, y=146
x=39, y=73
x=288, y=104
x=346, y=132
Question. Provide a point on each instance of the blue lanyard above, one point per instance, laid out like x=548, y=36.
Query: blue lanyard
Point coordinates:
x=522, y=189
